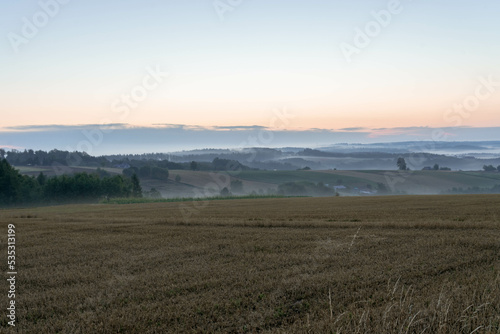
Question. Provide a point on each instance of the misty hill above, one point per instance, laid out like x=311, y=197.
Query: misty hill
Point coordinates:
x=472, y=148
x=382, y=156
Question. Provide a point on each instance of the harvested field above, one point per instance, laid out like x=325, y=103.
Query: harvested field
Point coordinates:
x=395, y=264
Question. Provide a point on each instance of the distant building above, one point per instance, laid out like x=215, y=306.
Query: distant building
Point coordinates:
x=339, y=188
x=427, y=168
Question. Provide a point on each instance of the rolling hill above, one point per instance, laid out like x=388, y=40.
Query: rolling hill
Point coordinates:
x=196, y=183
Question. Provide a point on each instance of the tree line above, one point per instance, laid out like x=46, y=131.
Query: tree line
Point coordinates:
x=18, y=189
x=475, y=190
x=146, y=165
x=491, y=168
x=43, y=158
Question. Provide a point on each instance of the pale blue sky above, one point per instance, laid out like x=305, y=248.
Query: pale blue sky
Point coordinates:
x=264, y=55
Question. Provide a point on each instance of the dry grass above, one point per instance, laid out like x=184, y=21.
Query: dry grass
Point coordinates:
x=414, y=264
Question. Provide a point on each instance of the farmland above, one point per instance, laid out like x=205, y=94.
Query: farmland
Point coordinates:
x=407, y=182
x=193, y=183
x=394, y=264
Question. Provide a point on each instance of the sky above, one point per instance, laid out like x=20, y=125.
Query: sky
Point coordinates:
x=220, y=65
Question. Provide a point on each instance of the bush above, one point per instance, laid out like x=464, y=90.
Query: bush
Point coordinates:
x=145, y=171
x=225, y=192
x=159, y=173
x=489, y=168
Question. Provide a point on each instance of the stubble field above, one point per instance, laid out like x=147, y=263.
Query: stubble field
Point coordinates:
x=396, y=264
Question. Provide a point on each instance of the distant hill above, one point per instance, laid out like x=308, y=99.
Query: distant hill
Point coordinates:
x=454, y=155
x=263, y=170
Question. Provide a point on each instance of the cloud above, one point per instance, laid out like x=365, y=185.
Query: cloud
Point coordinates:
x=354, y=129
x=424, y=132
x=240, y=128
x=11, y=147
x=126, y=138
x=210, y=128
x=58, y=127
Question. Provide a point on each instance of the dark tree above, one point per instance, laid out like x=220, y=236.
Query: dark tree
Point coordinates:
x=18, y=189
x=436, y=167
x=401, y=164
x=42, y=179
x=194, y=165
x=159, y=173
x=136, y=186
x=489, y=168
x=225, y=192
x=10, y=184
x=115, y=187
